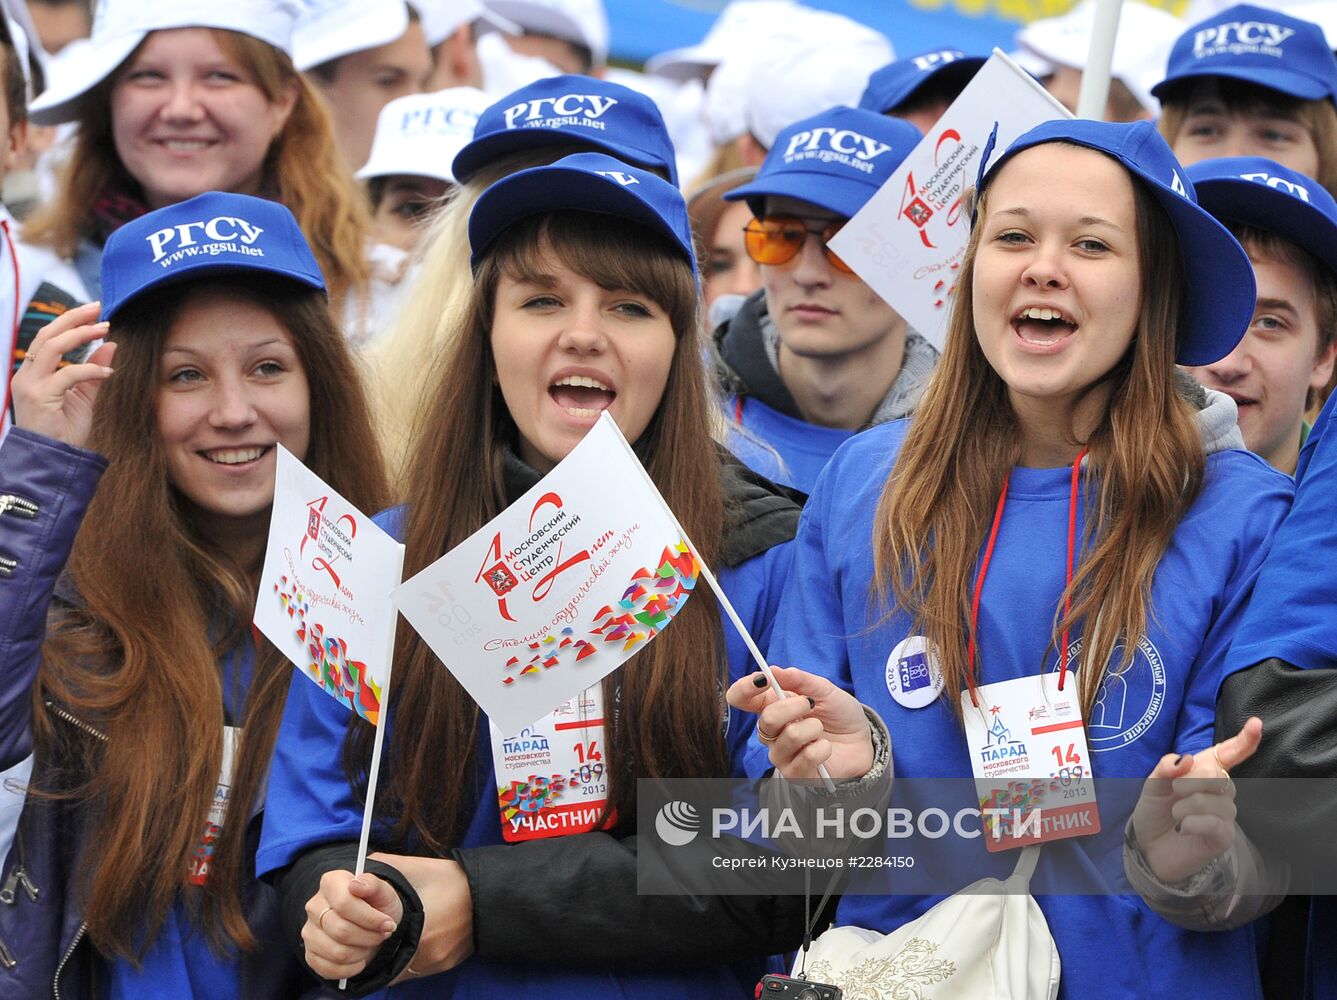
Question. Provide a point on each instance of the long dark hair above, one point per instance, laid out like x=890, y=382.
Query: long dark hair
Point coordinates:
x=455, y=486
x=139, y=654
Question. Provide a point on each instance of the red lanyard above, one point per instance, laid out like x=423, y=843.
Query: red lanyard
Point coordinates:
x=984, y=570
x=14, y=331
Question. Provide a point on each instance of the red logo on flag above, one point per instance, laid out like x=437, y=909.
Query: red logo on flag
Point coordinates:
x=918, y=212
x=500, y=579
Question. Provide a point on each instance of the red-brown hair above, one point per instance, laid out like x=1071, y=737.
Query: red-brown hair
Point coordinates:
x=159, y=607
x=302, y=170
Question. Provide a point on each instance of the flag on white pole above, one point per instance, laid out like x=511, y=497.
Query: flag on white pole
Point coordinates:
x=324, y=595
x=559, y=589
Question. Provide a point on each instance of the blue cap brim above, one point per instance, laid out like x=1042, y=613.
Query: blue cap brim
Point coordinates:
x=1218, y=289
x=842, y=197
x=479, y=153
x=555, y=188
x=962, y=68
x=1283, y=81
x=192, y=271
x=1235, y=199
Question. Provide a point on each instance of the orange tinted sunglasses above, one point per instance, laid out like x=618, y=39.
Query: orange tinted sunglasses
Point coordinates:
x=777, y=239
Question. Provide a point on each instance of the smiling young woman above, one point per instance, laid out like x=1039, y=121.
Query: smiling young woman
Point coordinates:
x=136, y=682
x=195, y=96
x=585, y=301
x=1060, y=502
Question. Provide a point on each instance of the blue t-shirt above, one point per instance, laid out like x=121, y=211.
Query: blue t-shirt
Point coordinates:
x=1110, y=945
x=309, y=803
x=803, y=448
x=180, y=965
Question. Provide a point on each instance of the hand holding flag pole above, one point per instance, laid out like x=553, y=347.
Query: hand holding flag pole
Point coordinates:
x=388, y=658
x=324, y=601
x=720, y=595
x=749, y=642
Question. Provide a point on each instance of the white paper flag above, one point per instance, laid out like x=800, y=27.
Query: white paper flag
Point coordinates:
x=324, y=597
x=908, y=240
x=558, y=590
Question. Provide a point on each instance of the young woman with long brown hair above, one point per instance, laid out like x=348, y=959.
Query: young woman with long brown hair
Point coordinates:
x=188, y=96
x=1062, y=501
x=586, y=300
x=139, y=504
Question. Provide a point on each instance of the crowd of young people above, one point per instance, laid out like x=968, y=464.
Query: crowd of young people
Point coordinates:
x=261, y=231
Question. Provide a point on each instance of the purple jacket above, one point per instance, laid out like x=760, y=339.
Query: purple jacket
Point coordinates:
x=45, y=487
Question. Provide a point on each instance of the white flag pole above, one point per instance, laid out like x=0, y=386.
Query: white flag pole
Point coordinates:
x=389, y=660
x=720, y=595
x=747, y=639
x=1095, y=89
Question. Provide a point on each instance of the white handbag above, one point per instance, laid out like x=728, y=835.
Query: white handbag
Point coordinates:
x=987, y=942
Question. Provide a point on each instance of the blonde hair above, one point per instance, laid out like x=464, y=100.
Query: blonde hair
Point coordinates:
x=402, y=366
x=725, y=160
x=302, y=170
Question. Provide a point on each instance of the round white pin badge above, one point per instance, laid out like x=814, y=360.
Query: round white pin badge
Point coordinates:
x=914, y=675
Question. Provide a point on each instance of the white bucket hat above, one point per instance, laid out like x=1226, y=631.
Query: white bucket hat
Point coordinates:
x=421, y=133
x=584, y=22
x=23, y=36
x=441, y=18
x=738, y=26
x=1141, y=47
x=330, y=29
x=821, y=60
x=120, y=25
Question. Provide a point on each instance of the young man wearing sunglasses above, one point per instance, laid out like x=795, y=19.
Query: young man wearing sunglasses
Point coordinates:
x=816, y=355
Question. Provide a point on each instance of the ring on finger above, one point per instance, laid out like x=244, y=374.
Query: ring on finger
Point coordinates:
x=765, y=737
x=1224, y=772
x=410, y=970
x=320, y=920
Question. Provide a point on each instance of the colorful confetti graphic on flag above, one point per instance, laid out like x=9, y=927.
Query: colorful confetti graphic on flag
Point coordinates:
x=650, y=602
x=328, y=663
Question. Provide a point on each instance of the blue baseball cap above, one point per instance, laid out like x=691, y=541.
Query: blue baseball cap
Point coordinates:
x=212, y=233
x=836, y=160
x=1261, y=193
x=584, y=182
x=1218, y=288
x=897, y=82
x=571, y=110
x=1257, y=45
